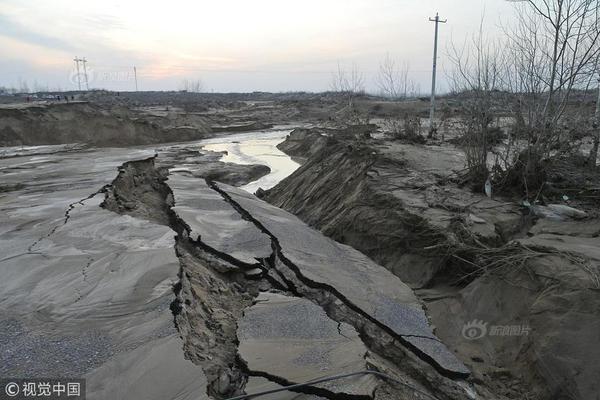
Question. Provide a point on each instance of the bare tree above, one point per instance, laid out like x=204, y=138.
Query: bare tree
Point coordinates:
x=555, y=48
x=593, y=155
x=193, y=86
x=548, y=54
x=478, y=75
x=38, y=87
x=23, y=86
x=393, y=80
x=349, y=83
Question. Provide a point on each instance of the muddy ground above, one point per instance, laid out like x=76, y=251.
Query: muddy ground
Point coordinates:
x=148, y=266
x=515, y=295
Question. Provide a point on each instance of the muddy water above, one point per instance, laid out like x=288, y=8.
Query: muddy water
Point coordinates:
x=259, y=147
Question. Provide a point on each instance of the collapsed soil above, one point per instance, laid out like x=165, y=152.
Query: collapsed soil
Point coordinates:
x=470, y=258
x=213, y=293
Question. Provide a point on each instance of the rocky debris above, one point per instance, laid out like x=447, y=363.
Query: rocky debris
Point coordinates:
x=302, y=344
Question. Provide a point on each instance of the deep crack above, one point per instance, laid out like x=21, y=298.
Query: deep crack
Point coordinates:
x=213, y=291
x=320, y=286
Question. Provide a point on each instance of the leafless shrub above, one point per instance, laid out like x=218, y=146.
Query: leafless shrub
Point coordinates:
x=348, y=83
x=23, y=86
x=191, y=85
x=554, y=49
x=478, y=75
x=407, y=129
x=393, y=80
x=547, y=56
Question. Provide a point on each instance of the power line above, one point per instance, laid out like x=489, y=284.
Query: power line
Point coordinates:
x=332, y=378
x=437, y=21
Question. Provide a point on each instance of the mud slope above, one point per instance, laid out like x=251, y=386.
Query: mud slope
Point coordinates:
x=85, y=123
x=397, y=204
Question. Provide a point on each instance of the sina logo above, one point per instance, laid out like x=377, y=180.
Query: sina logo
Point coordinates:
x=474, y=330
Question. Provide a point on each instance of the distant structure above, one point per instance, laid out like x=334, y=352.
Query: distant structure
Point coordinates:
x=87, y=87
x=78, y=74
x=83, y=61
x=135, y=77
x=437, y=21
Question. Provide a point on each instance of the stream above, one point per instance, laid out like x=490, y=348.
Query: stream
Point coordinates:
x=257, y=147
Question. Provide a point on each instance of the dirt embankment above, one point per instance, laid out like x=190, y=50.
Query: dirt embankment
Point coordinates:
x=303, y=143
x=90, y=124
x=372, y=198
x=518, y=303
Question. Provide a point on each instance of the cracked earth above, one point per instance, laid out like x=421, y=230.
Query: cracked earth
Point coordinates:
x=161, y=273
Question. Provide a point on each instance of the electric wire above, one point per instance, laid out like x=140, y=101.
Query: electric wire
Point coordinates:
x=331, y=378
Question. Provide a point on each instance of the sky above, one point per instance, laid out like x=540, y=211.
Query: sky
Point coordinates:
x=229, y=45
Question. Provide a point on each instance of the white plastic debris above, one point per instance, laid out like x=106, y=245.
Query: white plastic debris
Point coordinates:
x=488, y=188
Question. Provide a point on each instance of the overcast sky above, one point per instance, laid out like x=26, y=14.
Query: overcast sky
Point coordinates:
x=231, y=45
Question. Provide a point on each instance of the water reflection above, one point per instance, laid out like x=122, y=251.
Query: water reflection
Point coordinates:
x=256, y=148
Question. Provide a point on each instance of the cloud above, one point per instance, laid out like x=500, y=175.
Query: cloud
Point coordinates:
x=15, y=30
x=103, y=22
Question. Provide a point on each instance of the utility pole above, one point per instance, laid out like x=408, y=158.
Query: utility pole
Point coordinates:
x=593, y=156
x=78, y=76
x=597, y=113
x=135, y=77
x=437, y=21
x=87, y=87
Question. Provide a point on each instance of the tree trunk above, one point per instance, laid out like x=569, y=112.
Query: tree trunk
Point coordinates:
x=593, y=156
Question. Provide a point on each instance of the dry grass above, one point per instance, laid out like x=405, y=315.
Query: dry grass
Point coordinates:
x=515, y=257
